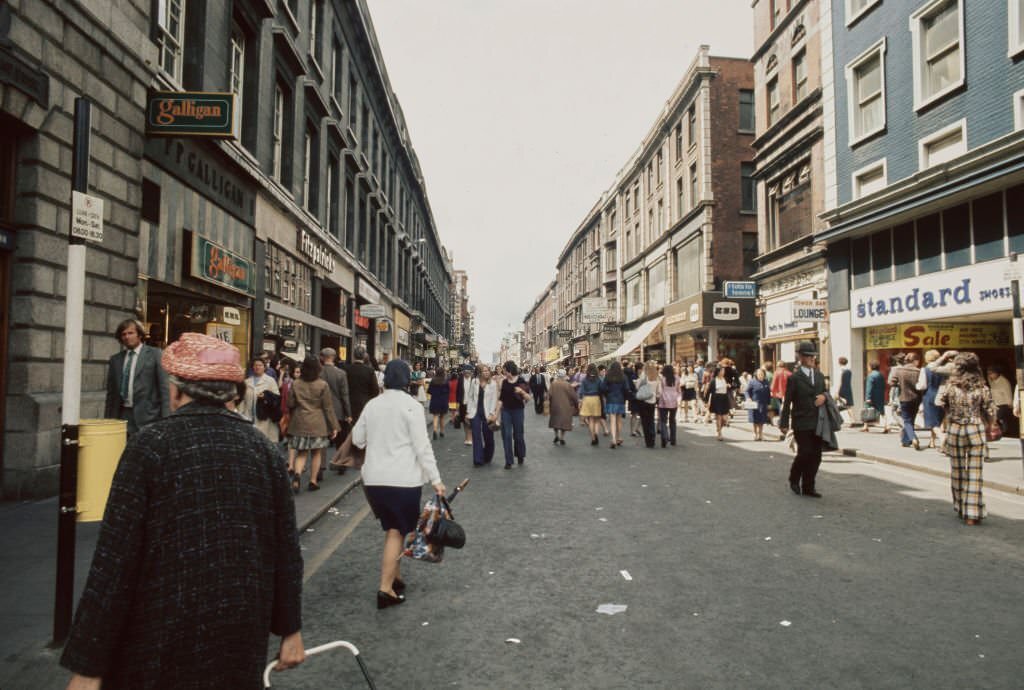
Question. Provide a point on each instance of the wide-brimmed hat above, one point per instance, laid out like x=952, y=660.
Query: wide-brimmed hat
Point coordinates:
x=806, y=347
x=199, y=357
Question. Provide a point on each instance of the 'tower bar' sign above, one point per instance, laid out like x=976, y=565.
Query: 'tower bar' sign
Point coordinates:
x=190, y=114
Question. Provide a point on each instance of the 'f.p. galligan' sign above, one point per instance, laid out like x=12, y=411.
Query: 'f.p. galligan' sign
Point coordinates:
x=977, y=289
x=190, y=114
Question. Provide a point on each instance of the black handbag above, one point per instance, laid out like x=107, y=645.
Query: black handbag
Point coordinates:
x=268, y=406
x=446, y=531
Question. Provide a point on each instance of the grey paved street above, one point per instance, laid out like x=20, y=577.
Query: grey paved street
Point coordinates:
x=735, y=582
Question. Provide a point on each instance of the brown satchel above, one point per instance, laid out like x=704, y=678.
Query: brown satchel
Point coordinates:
x=348, y=455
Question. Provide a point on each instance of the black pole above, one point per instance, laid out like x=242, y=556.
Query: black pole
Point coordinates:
x=67, y=514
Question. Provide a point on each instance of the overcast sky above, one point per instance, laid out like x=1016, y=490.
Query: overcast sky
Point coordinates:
x=523, y=111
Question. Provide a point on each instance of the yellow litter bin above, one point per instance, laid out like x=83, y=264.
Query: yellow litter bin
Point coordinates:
x=100, y=444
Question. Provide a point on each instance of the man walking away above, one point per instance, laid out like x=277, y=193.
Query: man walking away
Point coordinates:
x=337, y=383
x=362, y=382
x=805, y=393
x=905, y=377
x=198, y=559
x=136, y=383
x=539, y=388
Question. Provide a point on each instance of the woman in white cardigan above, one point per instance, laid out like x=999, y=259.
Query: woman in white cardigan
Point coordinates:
x=481, y=405
x=399, y=460
x=257, y=385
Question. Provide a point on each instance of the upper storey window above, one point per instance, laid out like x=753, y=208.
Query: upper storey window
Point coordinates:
x=938, y=38
x=170, y=36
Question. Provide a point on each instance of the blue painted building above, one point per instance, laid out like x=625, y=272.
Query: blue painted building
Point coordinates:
x=926, y=203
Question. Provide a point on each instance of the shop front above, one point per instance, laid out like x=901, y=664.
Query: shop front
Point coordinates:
x=372, y=325
x=966, y=309
x=783, y=300
x=333, y=283
x=197, y=271
x=708, y=326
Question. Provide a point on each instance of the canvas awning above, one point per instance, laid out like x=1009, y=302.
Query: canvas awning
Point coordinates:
x=635, y=338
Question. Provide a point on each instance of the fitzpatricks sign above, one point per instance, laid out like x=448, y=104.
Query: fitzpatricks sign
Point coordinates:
x=190, y=114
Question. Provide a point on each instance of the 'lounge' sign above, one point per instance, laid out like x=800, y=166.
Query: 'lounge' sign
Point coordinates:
x=190, y=114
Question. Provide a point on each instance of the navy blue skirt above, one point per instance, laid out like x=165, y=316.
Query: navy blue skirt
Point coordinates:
x=397, y=507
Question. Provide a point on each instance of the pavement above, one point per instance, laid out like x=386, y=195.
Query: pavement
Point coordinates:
x=28, y=534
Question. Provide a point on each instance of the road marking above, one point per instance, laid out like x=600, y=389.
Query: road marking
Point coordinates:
x=317, y=561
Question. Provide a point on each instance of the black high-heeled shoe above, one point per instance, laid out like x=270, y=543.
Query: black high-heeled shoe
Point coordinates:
x=385, y=600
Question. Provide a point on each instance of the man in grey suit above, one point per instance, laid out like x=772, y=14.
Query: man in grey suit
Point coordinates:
x=137, y=389
x=337, y=382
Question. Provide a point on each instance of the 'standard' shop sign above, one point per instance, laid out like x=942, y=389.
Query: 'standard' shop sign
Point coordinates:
x=190, y=114
x=978, y=289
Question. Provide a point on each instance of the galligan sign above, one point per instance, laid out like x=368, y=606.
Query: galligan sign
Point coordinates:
x=190, y=114
x=977, y=289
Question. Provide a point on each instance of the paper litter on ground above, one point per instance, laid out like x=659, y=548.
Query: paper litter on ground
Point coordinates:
x=611, y=609
x=602, y=519
x=785, y=624
x=513, y=640
x=426, y=623
x=767, y=538
x=626, y=576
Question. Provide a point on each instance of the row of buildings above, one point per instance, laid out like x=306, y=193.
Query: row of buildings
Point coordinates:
x=856, y=183
x=309, y=227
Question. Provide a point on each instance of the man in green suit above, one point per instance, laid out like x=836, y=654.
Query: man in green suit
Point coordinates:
x=805, y=393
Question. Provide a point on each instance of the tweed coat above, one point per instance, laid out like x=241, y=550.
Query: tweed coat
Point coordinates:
x=197, y=561
x=564, y=403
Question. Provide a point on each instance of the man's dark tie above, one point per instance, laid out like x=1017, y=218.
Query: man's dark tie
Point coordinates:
x=126, y=374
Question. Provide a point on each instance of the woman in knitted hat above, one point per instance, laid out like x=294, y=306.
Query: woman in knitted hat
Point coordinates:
x=311, y=424
x=197, y=561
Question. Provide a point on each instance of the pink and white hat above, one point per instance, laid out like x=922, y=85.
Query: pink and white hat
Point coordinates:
x=198, y=357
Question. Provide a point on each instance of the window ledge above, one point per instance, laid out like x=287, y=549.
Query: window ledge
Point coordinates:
x=867, y=135
x=935, y=98
x=850, y=21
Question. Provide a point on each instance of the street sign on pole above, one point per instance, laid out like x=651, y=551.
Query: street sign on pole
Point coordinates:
x=737, y=289
x=86, y=217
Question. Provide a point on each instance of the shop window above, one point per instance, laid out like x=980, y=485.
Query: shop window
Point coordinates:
x=929, y=250
x=881, y=256
x=1015, y=217
x=956, y=236
x=903, y=251
x=861, y=261
x=987, y=217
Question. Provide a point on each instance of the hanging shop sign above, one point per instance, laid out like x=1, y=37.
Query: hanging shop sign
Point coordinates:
x=361, y=321
x=383, y=326
x=739, y=289
x=372, y=311
x=552, y=353
x=720, y=311
x=403, y=337
x=977, y=289
x=317, y=251
x=596, y=310
x=190, y=114
x=215, y=264
x=938, y=336
x=809, y=310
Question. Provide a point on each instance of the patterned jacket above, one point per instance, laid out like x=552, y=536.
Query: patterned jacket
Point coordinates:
x=197, y=561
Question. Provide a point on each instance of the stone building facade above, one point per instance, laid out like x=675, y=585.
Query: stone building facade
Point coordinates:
x=318, y=203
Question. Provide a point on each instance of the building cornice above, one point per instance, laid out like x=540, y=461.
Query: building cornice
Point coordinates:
x=778, y=31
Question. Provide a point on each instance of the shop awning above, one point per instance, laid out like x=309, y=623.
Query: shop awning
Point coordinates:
x=635, y=338
x=290, y=312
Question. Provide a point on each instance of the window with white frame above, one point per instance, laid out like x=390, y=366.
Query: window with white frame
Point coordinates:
x=278, y=135
x=335, y=76
x=943, y=146
x=869, y=179
x=799, y=76
x=937, y=30
x=314, y=29
x=855, y=9
x=1016, y=23
x=865, y=84
x=170, y=36
x=237, y=75
x=1018, y=110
